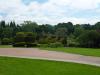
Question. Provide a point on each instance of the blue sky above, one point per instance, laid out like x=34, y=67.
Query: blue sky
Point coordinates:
x=50, y=11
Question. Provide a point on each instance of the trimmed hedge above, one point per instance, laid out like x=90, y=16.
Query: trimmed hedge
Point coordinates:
x=52, y=45
x=23, y=44
x=5, y=41
x=55, y=45
x=31, y=45
x=20, y=44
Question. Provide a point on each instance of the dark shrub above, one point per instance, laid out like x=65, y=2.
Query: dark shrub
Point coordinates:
x=43, y=45
x=31, y=45
x=20, y=37
x=20, y=44
x=55, y=45
x=73, y=44
x=5, y=41
x=90, y=39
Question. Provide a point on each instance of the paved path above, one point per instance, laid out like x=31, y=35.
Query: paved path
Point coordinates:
x=34, y=53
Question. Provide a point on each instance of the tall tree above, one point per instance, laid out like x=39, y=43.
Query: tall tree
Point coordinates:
x=90, y=39
x=3, y=24
x=69, y=26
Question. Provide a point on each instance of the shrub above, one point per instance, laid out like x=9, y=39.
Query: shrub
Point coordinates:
x=20, y=44
x=43, y=45
x=31, y=45
x=55, y=45
x=20, y=37
x=43, y=41
x=30, y=37
x=5, y=41
x=73, y=44
x=64, y=41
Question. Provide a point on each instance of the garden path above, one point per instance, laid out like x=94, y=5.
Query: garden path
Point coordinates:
x=35, y=53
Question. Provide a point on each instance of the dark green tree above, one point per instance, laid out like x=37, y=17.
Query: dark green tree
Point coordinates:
x=90, y=39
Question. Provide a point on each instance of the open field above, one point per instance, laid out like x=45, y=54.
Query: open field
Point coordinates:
x=81, y=51
x=16, y=66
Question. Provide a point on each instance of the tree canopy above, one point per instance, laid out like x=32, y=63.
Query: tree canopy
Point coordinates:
x=68, y=34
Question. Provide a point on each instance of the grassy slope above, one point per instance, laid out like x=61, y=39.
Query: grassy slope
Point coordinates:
x=82, y=51
x=16, y=66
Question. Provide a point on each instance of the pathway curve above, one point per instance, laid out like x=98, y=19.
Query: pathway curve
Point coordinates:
x=34, y=53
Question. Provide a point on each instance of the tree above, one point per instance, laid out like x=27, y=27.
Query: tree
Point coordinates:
x=90, y=39
x=97, y=26
x=61, y=33
x=12, y=24
x=78, y=30
x=7, y=32
x=64, y=42
x=86, y=26
x=2, y=24
x=29, y=26
x=69, y=27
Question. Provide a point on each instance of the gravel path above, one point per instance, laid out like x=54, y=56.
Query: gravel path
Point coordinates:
x=34, y=53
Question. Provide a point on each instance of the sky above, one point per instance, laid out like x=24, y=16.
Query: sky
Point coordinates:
x=50, y=11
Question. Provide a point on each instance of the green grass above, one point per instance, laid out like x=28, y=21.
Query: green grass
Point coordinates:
x=81, y=51
x=6, y=46
x=18, y=66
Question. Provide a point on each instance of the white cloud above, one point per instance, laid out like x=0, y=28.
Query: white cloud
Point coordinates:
x=53, y=11
x=84, y=4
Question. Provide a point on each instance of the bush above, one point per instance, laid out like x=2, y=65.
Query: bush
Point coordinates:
x=73, y=44
x=55, y=45
x=51, y=45
x=31, y=45
x=43, y=41
x=5, y=41
x=20, y=44
x=20, y=37
x=43, y=45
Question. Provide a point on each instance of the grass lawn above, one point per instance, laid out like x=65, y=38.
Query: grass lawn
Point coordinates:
x=6, y=46
x=82, y=51
x=18, y=66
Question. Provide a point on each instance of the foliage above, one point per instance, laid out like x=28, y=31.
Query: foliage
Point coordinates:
x=90, y=39
x=55, y=45
x=6, y=41
x=20, y=37
x=64, y=42
x=51, y=45
x=31, y=32
x=43, y=45
x=19, y=44
x=30, y=37
x=24, y=40
x=31, y=45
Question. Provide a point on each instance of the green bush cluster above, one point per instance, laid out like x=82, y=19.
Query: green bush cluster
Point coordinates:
x=6, y=41
x=23, y=44
x=55, y=45
x=20, y=44
x=52, y=45
x=31, y=45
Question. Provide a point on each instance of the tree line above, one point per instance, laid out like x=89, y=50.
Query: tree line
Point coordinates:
x=29, y=34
